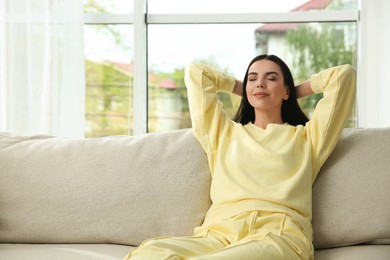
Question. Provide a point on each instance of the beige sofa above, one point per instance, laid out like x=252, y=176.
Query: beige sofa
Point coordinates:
x=64, y=198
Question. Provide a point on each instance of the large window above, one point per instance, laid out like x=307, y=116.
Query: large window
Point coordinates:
x=108, y=41
x=136, y=52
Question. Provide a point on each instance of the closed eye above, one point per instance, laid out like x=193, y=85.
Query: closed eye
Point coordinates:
x=252, y=76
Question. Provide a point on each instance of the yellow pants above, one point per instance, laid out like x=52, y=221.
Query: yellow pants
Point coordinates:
x=249, y=235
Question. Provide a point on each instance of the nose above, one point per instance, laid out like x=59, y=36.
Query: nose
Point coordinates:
x=260, y=84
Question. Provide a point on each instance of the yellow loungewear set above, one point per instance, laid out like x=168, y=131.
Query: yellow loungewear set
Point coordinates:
x=262, y=179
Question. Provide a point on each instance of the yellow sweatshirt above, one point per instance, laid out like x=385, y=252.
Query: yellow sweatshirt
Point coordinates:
x=270, y=169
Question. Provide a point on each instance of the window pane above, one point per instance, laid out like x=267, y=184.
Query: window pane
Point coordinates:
x=108, y=7
x=247, y=6
x=307, y=48
x=168, y=105
x=109, y=85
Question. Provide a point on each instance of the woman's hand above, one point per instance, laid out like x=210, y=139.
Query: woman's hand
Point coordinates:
x=238, y=88
x=303, y=89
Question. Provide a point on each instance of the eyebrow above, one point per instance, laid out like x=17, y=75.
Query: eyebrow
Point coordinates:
x=266, y=74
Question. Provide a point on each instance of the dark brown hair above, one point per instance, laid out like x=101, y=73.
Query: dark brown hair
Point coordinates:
x=291, y=111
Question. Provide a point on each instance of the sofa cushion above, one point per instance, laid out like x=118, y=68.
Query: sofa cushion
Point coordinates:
x=104, y=190
x=63, y=251
x=362, y=252
x=351, y=194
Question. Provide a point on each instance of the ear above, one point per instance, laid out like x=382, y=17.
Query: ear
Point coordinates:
x=287, y=95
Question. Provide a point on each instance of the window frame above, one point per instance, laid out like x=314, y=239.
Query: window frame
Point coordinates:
x=140, y=19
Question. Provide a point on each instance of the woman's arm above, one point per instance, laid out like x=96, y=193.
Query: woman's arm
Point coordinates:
x=338, y=85
x=304, y=89
x=209, y=121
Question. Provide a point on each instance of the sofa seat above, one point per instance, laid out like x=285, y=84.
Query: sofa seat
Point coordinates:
x=116, y=252
x=63, y=251
x=362, y=252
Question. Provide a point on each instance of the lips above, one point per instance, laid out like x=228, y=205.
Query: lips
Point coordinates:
x=260, y=94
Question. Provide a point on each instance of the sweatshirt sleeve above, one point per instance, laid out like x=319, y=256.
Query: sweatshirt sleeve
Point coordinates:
x=209, y=121
x=338, y=85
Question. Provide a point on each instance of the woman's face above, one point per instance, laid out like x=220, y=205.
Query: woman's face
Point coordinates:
x=265, y=88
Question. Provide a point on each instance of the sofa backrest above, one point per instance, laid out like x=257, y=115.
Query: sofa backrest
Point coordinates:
x=118, y=190
x=351, y=196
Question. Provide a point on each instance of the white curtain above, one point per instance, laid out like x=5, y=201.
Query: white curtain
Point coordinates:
x=42, y=67
x=374, y=67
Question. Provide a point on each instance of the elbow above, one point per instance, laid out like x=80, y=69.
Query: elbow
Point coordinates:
x=348, y=77
x=348, y=70
x=189, y=71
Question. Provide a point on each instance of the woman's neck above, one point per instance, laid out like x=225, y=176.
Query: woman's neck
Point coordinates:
x=263, y=119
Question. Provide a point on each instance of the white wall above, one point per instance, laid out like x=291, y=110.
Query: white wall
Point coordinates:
x=374, y=64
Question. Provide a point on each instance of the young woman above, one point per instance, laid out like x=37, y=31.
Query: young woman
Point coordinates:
x=263, y=165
